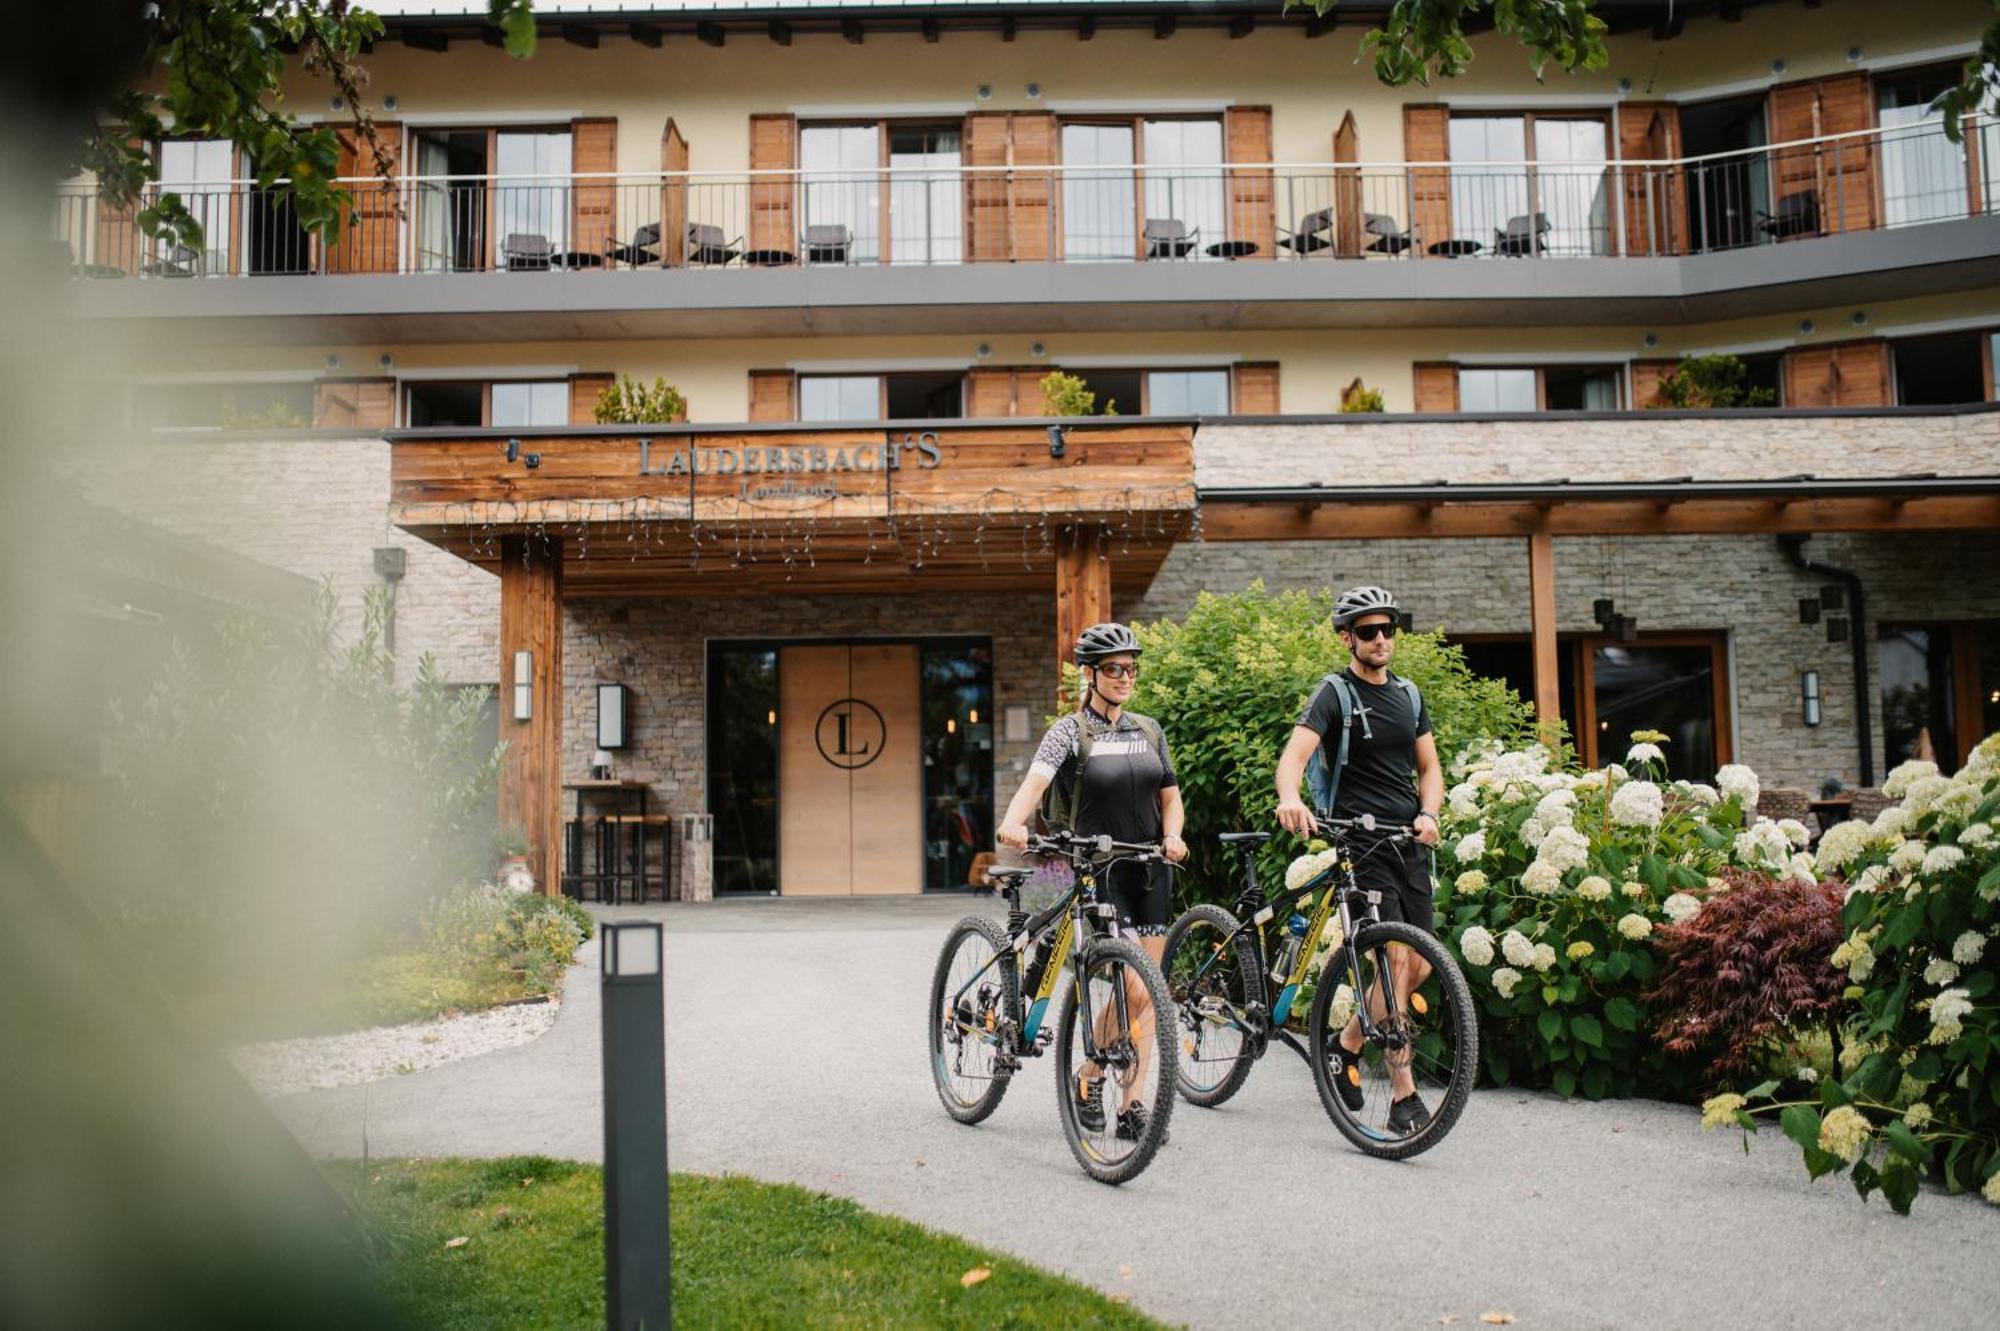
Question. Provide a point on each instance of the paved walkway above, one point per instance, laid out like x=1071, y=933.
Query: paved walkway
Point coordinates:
x=795, y=1052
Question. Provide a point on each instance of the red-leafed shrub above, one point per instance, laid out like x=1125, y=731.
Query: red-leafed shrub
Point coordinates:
x=1747, y=969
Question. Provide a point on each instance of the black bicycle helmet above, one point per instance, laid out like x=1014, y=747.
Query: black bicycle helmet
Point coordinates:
x=1102, y=640
x=1358, y=601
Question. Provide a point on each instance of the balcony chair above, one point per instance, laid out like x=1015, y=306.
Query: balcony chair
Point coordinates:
x=643, y=252
x=830, y=242
x=527, y=252
x=1797, y=215
x=1170, y=238
x=1522, y=236
x=1313, y=233
x=178, y=261
x=706, y=244
x=1389, y=238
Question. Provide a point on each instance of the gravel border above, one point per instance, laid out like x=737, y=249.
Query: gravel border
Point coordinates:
x=321, y=1062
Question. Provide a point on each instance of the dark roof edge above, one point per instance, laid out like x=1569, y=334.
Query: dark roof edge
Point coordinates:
x=1786, y=489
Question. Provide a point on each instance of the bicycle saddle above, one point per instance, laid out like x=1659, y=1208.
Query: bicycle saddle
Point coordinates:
x=1231, y=838
x=1005, y=876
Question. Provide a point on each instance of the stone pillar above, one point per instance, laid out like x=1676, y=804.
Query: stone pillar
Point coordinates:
x=531, y=622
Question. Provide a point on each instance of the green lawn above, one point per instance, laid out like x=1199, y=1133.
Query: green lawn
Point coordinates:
x=745, y=1254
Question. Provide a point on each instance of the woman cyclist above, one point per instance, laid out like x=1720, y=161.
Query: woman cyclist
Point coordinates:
x=1125, y=790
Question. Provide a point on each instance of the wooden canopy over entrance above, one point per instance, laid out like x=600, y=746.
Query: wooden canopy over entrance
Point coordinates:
x=677, y=511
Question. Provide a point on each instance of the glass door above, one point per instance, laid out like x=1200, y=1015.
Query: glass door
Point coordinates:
x=1570, y=177
x=926, y=211
x=1183, y=180
x=1098, y=215
x=841, y=168
x=533, y=190
x=199, y=171
x=1489, y=183
x=1924, y=174
x=958, y=760
x=743, y=766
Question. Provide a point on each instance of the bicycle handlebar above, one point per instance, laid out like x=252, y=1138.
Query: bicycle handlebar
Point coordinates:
x=1102, y=847
x=1365, y=823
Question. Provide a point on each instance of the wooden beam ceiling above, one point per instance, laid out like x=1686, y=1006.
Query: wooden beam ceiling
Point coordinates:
x=709, y=34
x=647, y=34
x=780, y=32
x=576, y=34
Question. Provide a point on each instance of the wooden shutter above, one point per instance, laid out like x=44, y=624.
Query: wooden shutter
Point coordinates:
x=673, y=197
x=593, y=204
x=1437, y=386
x=774, y=395
x=354, y=404
x=584, y=392
x=1254, y=390
x=1247, y=138
x=1655, y=217
x=1427, y=138
x=1010, y=213
x=1349, y=215
x=774, y=146
x=1845, y=374
x=1646, y=376
x=991, y=392
x=371, y=232
x=1847, y=176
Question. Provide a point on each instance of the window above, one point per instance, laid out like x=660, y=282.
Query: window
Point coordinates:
x=533, y=186
x=958, y=759
x=1938, y=371
x=840, y=397
x=916, y=204
x=1097, y=202
x=929, y=395
x=1923, y=173
x=445, y=404
x=1940, y=689
x=525, y=404
x=451, y=213
x=285, y=405
x=1551, y=388
x=477, y=188
x=1177, y=189
x=1724, y=195
x=926, y=397
x=926, y=210
x=1187, y=393
x=199, y=171
x=1765, y=372
x=842, y=172
x=1512, y=173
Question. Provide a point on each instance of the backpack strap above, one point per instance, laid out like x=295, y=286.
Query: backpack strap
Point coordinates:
x=1323, y=778
x=1084, y=736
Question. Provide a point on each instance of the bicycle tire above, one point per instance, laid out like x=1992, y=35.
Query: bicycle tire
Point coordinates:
x=1457, y=997
x=971, y=1107
x=1199, y=926
x=1118, y=952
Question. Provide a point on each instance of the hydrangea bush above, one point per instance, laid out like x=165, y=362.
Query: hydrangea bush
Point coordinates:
x=1918, y=1090
x=1551, y=884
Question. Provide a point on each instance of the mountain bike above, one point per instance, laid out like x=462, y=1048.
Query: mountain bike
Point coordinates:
x=979, y=1034
x=1222, y=975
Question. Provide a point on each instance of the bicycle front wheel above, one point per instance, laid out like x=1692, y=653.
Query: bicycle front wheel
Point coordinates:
x=1211, y=982
x=973, y=1012
x=1428, y=1045
x=1115, y=1107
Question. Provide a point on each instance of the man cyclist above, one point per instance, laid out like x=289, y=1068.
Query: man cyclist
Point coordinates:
x=1125, y=790
x=1392, y=772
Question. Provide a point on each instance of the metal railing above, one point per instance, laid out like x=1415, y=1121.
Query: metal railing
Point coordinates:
x=1864, y=181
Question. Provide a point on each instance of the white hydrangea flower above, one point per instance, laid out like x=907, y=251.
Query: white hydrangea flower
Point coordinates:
x=1762, y=846
x=1616, y=774
x=1702, y=793
x=1802, y=868
x=1842, y=843
x=1557, y=808
x=1872, y=878
x=1308, y=867
x=1472, y=880
x=1563, y=849
x=1892, y=822
x=1938, y=859
x=1589, y=781
x=1795, y=831
x=1476, y=946
x=1637, y=804
x=1897, y=783
x=1471, y=848
x=1644, y=753
x=1532, y=832
x=1976, y=834
x=1634, y=889
x=1545, y=957
x=1918, y=1116
x=1679, y=906
x=1959, y=799
x=1966, y=948
x=1991, y=1192
x=1343, y=1007
x=1736, y=780
x=1948, y=1013
x=1923, y=794
x=1594, y=888
x=1505, y=979
x=1908, y=857
x=1463, y=801
x=1542, y=878
x=1518, y=950
x=1940, y=972
x=1635, y=926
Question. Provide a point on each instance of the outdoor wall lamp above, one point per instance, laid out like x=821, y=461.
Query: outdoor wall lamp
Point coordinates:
x=612, y=711
x=1809, y=697
x=514, y=454
x=524, y=686
x=1056, y=440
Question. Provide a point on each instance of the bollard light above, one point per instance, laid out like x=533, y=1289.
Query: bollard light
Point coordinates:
x=637, y=1266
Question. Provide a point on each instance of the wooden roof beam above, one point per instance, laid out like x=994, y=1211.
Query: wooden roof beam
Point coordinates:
x=576, y=34
x=1242, y=26
x=1163, y=27
x=780, y=32
x=1086, y=28
x=850, y=31
x=1007, y=26
x=929, y=27
x=710, y=34
x=647, y=34
x=425, y=39
x=1319, y=25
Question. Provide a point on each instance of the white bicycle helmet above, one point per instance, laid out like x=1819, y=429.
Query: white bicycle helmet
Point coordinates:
x=1358, y=601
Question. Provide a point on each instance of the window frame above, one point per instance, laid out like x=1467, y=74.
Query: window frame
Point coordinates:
x=1716, y=640
x=1620, y=374
x=1136, y=124
x=1598, y=115
x=489, y=205
x=406, y=387
x=884, y=207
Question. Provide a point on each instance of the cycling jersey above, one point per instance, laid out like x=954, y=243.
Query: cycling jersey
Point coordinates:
x=1120, y=798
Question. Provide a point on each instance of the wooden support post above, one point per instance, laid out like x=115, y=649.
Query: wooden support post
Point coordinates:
x=531, y=621
x=1083, y=588
x=1542, y=625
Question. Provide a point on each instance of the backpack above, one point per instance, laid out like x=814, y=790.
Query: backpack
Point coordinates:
x=1060, y=803
x=1324, y=781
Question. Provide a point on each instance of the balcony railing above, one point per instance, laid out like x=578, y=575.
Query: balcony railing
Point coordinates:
x=1402, y=211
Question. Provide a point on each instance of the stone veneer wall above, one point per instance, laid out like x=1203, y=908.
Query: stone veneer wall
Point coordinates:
x=1740, y=585
x=660, y=649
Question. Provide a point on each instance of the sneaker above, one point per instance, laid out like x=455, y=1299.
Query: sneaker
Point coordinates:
x=1408, y=1115
x=1345, y=1069
x=1090, y=1104
x=1132, y=1122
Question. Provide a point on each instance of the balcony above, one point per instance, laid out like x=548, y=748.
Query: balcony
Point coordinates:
x=1871, y=215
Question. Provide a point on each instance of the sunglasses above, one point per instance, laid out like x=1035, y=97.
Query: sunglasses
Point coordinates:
x=1370, y=632
x=1118, y=671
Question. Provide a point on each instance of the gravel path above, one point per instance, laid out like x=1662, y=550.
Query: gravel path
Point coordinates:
x=795, y=1053
x=323, y=1062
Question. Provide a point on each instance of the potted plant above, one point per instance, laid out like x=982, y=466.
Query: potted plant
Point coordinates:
x=513, y=849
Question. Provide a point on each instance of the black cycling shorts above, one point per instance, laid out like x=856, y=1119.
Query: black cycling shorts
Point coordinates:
x=1401, y=872
x=1141, y=893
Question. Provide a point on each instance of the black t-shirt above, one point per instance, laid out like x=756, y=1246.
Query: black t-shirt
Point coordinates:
x=1381, y=772
x=1121, y=782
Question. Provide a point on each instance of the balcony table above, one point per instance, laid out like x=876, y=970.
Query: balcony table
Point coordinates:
x=1233, y=249
x=574, y=259
x=769, y=258
x=1456, y=249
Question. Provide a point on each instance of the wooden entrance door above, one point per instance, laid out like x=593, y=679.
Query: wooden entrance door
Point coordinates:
x=850, y=774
